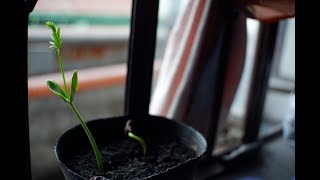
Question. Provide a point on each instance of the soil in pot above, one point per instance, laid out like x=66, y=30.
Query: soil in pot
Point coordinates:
x=124, y=159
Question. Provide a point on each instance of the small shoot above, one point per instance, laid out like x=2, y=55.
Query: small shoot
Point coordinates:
x=65, y=95
x=128, y=131
x=142, y=143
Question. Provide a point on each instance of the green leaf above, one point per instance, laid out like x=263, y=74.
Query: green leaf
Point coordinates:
x=58, y=32
x=56, y=38
x=51, y=25
x=74, y=84
x=57, y=90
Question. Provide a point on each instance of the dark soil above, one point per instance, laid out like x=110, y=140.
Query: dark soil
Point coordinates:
x=124, y=160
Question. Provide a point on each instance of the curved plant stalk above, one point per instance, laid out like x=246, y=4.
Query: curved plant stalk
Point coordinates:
x=64, y=93
x=128, y=131
x=141, y=141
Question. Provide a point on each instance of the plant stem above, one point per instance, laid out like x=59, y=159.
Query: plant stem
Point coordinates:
x=142, y=143
x=62, y=72
x=91, y=139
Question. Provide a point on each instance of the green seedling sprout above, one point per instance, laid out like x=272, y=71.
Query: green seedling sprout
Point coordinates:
x=141, y=141
x=64, y=93
x=128, y=132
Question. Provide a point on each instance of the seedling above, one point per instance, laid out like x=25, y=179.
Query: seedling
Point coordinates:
x=64, y=93
x=68, y=96
x=141, y=141
x=128, y=132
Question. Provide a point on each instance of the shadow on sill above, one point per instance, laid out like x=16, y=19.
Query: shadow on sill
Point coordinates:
x=275, y=160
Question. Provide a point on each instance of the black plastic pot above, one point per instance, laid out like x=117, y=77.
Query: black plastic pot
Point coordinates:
x=111, y=129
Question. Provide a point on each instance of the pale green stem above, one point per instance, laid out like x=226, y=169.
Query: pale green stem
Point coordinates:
x=142, y=143
x=63, y=77
x=91, y=139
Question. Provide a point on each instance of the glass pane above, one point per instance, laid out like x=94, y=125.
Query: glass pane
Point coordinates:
x=95, y=36
x=282, y=81
x=168, y=13
x=279, y=93
x=233, y=124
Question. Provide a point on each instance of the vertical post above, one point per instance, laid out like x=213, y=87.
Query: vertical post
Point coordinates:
x=144, y=20
x=223, y=19
x=259, y=80
x=14, y=91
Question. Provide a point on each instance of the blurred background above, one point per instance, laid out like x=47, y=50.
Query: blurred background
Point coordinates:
x=95, y=42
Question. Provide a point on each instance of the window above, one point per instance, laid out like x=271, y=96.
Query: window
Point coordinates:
x=281, y=86
x=95, y=42
x=283, y=75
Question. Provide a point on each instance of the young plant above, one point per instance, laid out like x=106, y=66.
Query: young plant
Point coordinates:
x=64, y=93
x=140, y=141
x=128, y=131
x=68, y=96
